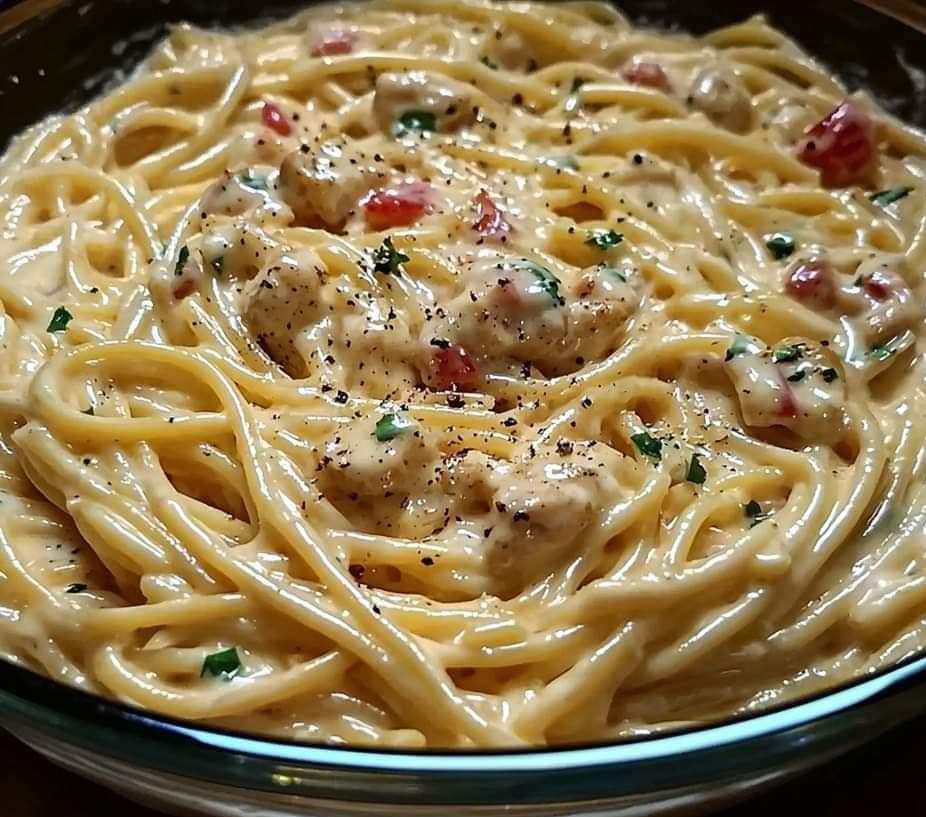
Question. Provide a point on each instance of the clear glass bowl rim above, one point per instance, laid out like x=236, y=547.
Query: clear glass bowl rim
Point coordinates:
x=43, y=705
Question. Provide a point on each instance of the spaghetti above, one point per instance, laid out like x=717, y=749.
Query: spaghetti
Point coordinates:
x=418, y=373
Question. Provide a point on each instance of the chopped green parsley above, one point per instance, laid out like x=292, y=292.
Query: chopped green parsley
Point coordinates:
x=741, y=345
x=754, y=511
x=547, y=281
x=604, y=239
x=780, y=245
x=182, y=257
x=387, y=259
x=225, y=664
x=648, y=445
x=60, y=320
x=884, y=198
x=880, y=352
x=415, y=122
x=787, y=354
x=254, y=182
x=696, y=472
x=390, y=426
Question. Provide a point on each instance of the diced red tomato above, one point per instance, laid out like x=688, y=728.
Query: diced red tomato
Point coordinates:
x=275, y=119
x=397, y=206
x=647, y=74
x=453, y=369
x=187, y=286
x=785, y=401
x=878, y=286
x=334, y=43
x=812, y=283
x=490, y=221
x=841, y=146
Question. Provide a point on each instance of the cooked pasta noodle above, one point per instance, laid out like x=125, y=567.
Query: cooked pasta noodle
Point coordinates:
x=418, y=373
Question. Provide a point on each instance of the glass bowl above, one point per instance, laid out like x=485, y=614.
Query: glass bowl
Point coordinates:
x=58, y=53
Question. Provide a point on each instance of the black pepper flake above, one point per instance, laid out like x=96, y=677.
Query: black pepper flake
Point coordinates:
x=341, y=397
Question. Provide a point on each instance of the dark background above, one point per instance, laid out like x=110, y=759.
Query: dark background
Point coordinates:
x=61, y=57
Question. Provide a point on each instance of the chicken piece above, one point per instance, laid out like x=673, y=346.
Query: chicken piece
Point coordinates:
x=719, y=94
x=382, y=470
x=880, y=299
x=323, y=184
x=606, y=298
x=420, y=101
x=509, y=314
x=536, y=509
x=875, y=297
x=514, y=315
x=795, y=385
x=282, y=301
x=378, y=341
x=235, y=194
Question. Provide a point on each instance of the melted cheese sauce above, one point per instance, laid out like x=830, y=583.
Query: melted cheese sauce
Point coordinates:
x=418, y=373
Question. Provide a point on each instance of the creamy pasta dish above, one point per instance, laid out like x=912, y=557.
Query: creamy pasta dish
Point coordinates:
x=418, y=373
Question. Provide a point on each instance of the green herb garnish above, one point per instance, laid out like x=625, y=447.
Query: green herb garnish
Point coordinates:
x=415, y=122
x=218, y=264
x=254, y=182
x=60, y=320
x=390, y=426
x=486, y=61
x=880, y=352
x=387, y=259
x=829, y=375
x=648, y=445
x=740, y=346
x=182, y=257
x=696, y=472
x=786, y=354
x=885, y=197
x=754, y=511
x=780, y=245
x=225, y=664
x=547, y=281
x=604, y=239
